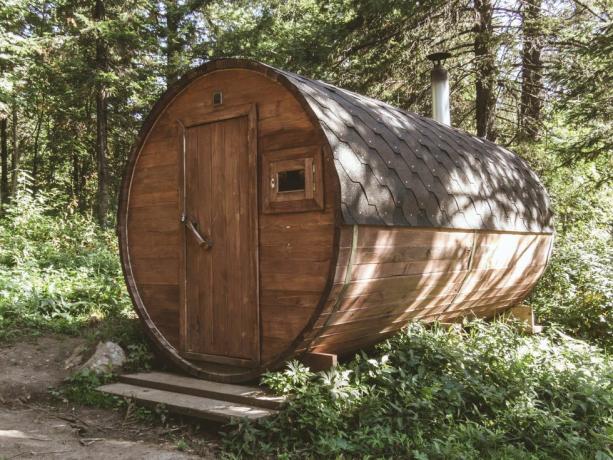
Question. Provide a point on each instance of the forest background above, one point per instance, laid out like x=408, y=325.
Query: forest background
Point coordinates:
x=78, y=77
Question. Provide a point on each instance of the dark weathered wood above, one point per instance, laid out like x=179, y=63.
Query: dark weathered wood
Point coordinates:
x=309, y=199
x=319, y=361
x=286, y=138
x=221, y=297
x=293, y=271
x=165, y=297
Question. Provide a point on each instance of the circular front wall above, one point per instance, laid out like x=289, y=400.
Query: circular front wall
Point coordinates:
x=295, y=248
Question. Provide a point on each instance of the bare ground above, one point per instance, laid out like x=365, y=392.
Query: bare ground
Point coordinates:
x=34, y=425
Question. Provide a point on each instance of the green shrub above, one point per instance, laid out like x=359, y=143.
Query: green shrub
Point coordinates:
x=576, y=291
x=488, y=392
x=58, y=270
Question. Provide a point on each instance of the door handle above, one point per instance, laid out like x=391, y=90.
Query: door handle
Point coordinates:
x=202, y=240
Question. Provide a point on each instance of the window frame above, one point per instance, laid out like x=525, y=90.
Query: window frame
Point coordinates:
x=275, y=162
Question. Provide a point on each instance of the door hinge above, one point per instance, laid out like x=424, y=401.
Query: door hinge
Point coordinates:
x=314, y=176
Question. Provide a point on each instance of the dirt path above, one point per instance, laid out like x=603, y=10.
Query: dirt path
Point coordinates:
x=36, y=433
x=34, y=426
x=29, y=368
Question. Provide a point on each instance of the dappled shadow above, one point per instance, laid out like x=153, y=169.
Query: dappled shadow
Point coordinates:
x=399, y=275
x=397, y=168
x=456, y=224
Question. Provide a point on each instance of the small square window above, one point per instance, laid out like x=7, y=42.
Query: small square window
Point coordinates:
x=217, y=98
x=292, y=180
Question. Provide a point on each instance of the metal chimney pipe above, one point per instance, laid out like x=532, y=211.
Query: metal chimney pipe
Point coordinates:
x=440, y=89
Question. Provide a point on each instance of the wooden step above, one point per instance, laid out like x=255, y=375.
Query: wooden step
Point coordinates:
x=186, y=404
x=252, y=396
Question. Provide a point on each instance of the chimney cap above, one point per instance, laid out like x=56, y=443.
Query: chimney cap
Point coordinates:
x=438, y=57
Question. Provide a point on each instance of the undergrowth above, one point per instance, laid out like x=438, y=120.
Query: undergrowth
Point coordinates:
x=59, y=272
x=576, y=292
x=430, y=393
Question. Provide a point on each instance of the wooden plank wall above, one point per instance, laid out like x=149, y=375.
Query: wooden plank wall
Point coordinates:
x=504, y=270
x=295, y=249
x=402, y=274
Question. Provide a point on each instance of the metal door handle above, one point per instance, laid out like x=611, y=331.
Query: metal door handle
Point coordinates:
x=202, y=240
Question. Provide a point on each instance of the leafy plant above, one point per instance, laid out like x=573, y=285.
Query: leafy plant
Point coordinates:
x=486, y=392
x=139, y=357
x=182, y=445
x=58, y=270
x=576, y=292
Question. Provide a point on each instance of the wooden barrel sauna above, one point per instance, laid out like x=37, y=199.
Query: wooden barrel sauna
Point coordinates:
x=264, y=215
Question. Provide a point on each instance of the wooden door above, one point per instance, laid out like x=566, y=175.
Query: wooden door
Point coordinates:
x=220, y=318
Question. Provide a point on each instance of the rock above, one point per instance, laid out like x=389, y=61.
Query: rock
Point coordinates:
x=75, y=358
x=108, y=357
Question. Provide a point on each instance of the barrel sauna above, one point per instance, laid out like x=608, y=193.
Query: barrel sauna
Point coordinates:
x=264, y=215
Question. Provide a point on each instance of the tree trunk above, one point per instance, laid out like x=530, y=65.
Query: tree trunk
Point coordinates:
x=78, y=183
x=74, y=183
x=175, y=13
x=173, y=42
x=532, y=72
x=102, y=197
x=36, y=156
x=4, y=161
x=16, y=160
x=484, y=48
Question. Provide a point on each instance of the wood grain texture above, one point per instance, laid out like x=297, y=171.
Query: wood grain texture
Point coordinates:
x=296, y=262
x=294, y=252
x=307, y=159
x=401, y=274
x=254, y=396
x=221, y=310
x=186, y=404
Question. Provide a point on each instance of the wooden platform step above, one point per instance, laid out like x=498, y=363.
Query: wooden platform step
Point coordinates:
x=249, y=395
x=194, y=397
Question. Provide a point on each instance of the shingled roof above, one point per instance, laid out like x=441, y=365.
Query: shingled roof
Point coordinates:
x=397, y=168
